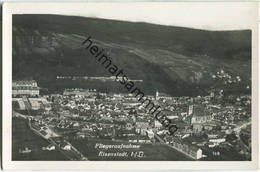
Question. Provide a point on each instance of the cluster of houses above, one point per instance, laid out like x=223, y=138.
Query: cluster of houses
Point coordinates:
x=41, y=129
x=196, y=116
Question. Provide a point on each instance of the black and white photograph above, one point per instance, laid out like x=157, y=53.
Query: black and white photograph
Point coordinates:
x=108, y=85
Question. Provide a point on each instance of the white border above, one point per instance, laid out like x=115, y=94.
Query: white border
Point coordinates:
x=44, y=8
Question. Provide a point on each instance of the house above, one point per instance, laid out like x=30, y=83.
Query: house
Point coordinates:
x=26, y=150
x=200, y=116
x=157, y=124
x=50, y=147
x=129, y=126
x=217, y=141
x=209, y=126
x=150, y=134
x=35, y=105
x=141, y=127
x=66, y=147
x=21, y=104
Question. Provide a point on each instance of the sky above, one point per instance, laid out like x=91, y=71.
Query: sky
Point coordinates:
x=199, y=15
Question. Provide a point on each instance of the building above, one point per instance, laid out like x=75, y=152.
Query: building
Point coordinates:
x=189, y=150
x=129, y=126
x=150, y=134
x=190, y=110
x=25, y=87
x=66, y=147
x=79, y=92
x=157, y=124
x=50, y=147
x=35, y=105
x=162, y=96
x=141, y=127
x=200, y=119
x=18, y=103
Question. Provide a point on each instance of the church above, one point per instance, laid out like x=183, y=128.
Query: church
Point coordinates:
x=200, y=118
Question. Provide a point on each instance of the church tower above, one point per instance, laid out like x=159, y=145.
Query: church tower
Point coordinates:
x=157, y=95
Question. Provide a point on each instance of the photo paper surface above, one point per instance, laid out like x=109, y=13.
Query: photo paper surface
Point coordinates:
x=92, y=84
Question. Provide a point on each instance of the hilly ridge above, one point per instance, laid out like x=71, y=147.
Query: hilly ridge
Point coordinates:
x=175, y=60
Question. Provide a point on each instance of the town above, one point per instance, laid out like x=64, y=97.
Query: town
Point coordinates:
x=212, y=127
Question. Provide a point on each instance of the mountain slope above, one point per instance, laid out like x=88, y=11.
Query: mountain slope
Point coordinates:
x=175, y=60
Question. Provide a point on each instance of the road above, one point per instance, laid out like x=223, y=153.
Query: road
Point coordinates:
x=238, y=128
x=72, y=154
x=237, y=131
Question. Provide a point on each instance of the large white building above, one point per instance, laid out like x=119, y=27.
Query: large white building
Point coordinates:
x=25, y=87
x=189, y=150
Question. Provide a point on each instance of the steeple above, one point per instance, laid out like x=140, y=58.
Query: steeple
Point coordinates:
x=157, y=95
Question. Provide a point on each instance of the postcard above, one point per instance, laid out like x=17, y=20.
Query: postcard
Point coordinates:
x=130, y=86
